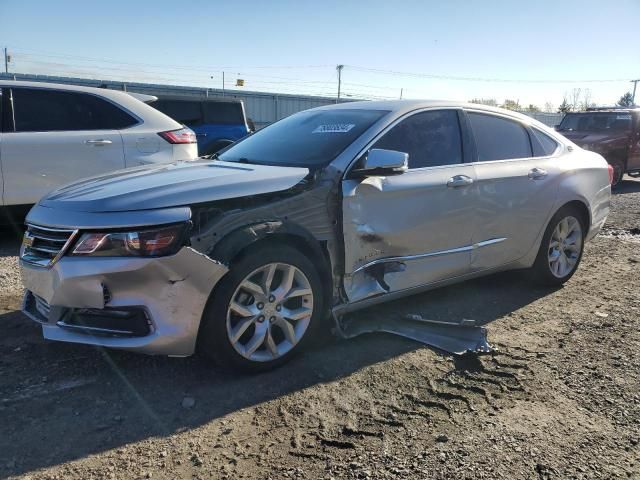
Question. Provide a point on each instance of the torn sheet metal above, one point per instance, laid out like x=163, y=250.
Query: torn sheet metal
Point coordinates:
x=457, y=338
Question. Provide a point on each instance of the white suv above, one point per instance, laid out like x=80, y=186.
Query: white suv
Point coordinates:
x=52, y=134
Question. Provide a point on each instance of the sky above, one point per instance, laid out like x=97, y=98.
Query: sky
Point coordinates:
x=529, y=51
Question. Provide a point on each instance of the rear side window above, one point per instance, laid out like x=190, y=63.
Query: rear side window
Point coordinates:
x=40, y=110
x=189, y=113
x=543, y=144
x=430, y=138
x=223, y=113
x=498, y=138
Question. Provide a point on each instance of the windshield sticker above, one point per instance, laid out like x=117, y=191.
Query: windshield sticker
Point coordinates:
x=334, y=128
x=623, y=117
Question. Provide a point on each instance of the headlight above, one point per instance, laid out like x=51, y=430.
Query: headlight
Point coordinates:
x=142, y=243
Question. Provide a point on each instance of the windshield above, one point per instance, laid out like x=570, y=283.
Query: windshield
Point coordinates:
x=596, y=122
x=307, y=139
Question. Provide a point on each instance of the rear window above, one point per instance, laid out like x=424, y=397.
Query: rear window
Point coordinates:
x=498, y=138
x=223, y=113
x=41, y=110
x=596, y=122
x=188, y=113
x=307, y=139
x=543, y=144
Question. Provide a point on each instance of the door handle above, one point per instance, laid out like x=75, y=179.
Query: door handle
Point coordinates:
x=459, y=181
x=98, y=143
x=537, y=173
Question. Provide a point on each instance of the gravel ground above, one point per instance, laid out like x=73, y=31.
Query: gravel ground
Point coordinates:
x=559, y=399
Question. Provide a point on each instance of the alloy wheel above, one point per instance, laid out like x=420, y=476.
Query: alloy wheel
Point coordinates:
x=269, y=312
x=565, y=247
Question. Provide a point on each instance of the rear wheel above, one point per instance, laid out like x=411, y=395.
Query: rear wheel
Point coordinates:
x=561, y=248
x=264, y=311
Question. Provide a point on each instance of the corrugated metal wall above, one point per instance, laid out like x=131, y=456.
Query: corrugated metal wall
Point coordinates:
x=262, y=108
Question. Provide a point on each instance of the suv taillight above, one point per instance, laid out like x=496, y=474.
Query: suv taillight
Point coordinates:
x=610, y=174
x=182, y=135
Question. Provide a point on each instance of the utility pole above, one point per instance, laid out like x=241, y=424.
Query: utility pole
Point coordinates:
x=223, y=84
x=635, y=83
x=339, y=69
x=401, y=93
x=6, y=61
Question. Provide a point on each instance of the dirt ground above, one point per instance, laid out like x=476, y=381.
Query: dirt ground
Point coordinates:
x=559, y=399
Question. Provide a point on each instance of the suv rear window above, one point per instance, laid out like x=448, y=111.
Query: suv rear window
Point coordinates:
x=223, y=113
x=189, y=113
x=499, y=138
x=42, y=110
x=596, y=122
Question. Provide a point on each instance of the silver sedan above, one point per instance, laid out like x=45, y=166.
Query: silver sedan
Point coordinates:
x=243, y=256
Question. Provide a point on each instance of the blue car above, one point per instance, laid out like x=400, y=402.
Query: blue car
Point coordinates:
x=217, y=123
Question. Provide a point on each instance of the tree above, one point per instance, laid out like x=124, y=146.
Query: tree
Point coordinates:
x=626, y=100
x=575, y=98
x=492, y=102
x=565, y=106
x=511, y=104
x=532, y=108
x=586, y=99
x=548, y=107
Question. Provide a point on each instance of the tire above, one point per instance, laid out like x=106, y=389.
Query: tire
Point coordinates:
x=552, y=273
x=618, y=172
x=228, y=334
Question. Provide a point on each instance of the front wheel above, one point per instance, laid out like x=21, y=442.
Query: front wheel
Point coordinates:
x=264, y=311
x=561, y=248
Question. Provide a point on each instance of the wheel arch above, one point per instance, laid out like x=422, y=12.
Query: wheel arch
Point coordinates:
x=240, y=242
x=581, y=206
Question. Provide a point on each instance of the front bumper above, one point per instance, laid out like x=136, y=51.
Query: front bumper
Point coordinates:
x=169, y=292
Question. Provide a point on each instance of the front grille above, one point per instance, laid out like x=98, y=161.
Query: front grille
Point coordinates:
x=44, y=245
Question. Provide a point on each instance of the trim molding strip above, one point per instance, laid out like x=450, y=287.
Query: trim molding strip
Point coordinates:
x=407, y=258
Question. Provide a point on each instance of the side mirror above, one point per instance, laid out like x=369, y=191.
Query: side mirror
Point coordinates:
x=384, y=162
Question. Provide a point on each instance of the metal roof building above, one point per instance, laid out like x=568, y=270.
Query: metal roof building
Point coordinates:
x=263, y=108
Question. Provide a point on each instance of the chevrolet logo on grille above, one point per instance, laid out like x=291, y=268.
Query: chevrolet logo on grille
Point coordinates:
x=27, y=240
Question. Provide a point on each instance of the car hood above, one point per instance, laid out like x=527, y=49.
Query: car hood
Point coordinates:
x=172, y=185
x=584, y=138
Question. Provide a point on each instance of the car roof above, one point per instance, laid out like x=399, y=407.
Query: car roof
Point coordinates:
x=135, y=103
x=212, y=99
x=401, y=107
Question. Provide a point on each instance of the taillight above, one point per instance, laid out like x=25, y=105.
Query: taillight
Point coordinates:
x=610, y=174
x=182, y=135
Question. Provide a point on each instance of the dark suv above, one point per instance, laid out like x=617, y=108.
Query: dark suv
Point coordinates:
x=217, y=123
x=614, y=133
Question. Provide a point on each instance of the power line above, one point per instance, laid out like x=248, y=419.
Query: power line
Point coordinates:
x=476, y=79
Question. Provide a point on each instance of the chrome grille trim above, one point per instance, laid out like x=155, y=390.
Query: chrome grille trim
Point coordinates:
x=43, y=246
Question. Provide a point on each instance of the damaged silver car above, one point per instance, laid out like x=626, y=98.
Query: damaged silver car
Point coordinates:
x=330, y=210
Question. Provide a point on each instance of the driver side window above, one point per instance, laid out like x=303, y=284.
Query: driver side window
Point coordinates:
x=430, y=138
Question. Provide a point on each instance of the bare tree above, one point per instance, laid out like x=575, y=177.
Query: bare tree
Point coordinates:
x=575, y=95
x=586, y=99
x=548, y=107
x=492, y=102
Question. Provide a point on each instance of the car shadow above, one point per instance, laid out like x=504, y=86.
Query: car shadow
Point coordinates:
x=627, y=185
x=61, y=402
x=10, y=238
